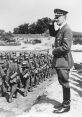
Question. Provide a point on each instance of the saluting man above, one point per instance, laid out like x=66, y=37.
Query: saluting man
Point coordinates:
x=62, y=57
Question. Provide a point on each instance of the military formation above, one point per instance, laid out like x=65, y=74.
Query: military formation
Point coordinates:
x=22, y=71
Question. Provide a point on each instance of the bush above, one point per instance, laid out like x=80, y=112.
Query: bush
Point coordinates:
x=35, y=41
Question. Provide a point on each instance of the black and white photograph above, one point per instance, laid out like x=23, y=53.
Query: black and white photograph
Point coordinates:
x=40, y=58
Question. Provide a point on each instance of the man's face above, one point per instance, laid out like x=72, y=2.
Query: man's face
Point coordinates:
x=60, y=20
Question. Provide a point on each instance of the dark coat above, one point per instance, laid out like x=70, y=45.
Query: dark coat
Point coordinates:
x=62, y=51
x=13, y=68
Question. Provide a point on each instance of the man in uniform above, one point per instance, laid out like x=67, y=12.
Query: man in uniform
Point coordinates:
x=12, y=78
x=62, y=58
x=2, y=80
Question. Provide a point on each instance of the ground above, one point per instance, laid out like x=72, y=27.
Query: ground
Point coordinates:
x=41, y=101
x=22, y=104
x=44, y=106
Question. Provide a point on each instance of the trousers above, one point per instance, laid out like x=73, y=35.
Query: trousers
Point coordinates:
x=63, y=77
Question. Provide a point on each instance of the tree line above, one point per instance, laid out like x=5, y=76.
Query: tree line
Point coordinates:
x=38, y=27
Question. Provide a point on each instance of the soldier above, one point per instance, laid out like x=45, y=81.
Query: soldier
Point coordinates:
x=5, y=67
x=25, y=77
x=12, y=78
x=62, y=58
x=36, y=72
x=3, y=89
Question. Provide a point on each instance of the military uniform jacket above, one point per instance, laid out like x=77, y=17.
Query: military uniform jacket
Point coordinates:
x=12, y=69
x=62, y=47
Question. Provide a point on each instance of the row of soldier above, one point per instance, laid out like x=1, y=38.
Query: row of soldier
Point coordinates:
x=23, y=70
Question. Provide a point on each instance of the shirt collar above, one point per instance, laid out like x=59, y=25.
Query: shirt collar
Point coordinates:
x=62, y=25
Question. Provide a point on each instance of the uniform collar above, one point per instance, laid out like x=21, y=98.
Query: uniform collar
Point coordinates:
x=62, y=25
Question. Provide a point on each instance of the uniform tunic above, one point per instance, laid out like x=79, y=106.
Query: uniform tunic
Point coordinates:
x=62, y=57
x=13, y=68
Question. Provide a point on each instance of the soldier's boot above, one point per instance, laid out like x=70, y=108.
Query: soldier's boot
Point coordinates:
x=37, y=79
x=65, y=106
x=21, y=85
x=15, y=94
x=49, y=75
x=8, y=89
x=26, y=87
x=1, y=92
x=30, y=84
x=30, y=89
x=7, y=85
x=45, y=76
x=34, y=81
x=25, y=93
x=66, y=96
x=41, y=76
x=46, y=73
x=3, y=89
x=10, y=100
x=13, y=90
x=50, y=72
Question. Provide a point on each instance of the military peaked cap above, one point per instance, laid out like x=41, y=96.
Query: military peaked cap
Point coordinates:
x=60, y=12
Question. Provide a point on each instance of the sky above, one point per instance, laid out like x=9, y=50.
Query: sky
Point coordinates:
x=16, y=12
